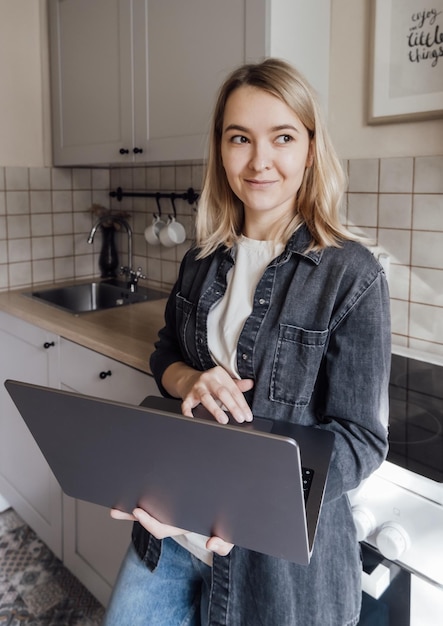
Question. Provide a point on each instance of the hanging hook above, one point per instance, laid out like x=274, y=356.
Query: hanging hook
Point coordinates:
x=173, y=196
x=157, y=199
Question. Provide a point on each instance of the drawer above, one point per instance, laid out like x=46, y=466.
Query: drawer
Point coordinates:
x=94, y=374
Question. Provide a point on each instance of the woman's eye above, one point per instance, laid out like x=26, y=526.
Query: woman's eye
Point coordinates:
x=284, y=139
x=239, y=139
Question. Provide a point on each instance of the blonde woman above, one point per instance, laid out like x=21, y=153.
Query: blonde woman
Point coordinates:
x=278, y=311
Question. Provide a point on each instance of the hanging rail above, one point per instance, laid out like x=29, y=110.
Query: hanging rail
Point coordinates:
x=190, y=195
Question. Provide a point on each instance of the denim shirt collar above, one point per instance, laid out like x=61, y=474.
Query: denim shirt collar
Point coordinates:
x=299, y=242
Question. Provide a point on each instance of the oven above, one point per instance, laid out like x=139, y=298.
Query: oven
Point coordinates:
x=398, y=511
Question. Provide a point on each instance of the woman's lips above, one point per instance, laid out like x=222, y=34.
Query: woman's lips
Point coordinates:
x=259, y=183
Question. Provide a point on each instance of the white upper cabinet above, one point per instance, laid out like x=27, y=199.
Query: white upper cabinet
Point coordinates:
x=91, y=80
x=134, y=81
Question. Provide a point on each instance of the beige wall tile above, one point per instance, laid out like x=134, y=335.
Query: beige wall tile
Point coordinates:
x=41, y=224
x=61, y=178
x=399, y=281
x=43, y=271
x=363, y=175
x=20, y=274
x=428, y=174
x=42, y=248
x=64, y=268
x=427, y=249
x=426, y=323
x=40, y=178
x=427, y=286
x=362, y=209
x=396, y=175
x=17, y=178
x=428, y=212
x=62, y=223
x=40, y=201
x=395, y=210
x=17, y=202
x=396, y=243
x=81, y=178
x=18, y=226
x=64, y=246
x=19, y=250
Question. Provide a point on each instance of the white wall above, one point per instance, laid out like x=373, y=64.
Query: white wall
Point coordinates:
x=299, y=31
x=24, y=94
x=348, y=95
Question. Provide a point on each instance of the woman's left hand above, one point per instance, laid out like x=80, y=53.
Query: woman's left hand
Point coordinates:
x=161, y=531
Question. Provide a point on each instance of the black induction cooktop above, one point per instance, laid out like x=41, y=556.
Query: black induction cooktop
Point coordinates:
x=416, y=416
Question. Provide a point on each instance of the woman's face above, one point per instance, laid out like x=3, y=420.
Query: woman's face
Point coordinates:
x=265, y=150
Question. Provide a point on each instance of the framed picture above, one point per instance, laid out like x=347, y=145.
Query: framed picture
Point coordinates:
x=406, y=60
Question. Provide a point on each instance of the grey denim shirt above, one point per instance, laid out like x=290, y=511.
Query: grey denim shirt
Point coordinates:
x=317, y=345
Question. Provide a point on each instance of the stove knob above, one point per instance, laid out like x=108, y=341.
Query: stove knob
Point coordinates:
x=392, y=540
x=364, y=522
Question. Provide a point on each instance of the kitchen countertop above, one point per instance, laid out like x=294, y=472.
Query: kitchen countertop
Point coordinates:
x=125, y=333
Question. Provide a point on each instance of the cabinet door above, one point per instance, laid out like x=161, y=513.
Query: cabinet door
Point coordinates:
x=26, y=481
x=94, y=544
x=192, y=46
x=91, y=76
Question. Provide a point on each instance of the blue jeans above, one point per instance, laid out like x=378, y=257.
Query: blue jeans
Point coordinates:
x=175, y=594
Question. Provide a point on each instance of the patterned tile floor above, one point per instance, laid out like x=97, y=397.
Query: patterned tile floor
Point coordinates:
x=35, y=588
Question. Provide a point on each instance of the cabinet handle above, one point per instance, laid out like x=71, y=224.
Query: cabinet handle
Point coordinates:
x=123, y=151
x=48, y=344
x=138, y=150
x=104, y=375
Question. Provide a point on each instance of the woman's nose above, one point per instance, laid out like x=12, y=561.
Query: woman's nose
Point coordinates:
x=260, y=158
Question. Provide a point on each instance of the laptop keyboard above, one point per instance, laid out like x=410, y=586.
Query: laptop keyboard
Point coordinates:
x=307, y=475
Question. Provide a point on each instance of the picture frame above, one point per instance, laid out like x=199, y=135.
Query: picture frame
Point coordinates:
x=406, y=73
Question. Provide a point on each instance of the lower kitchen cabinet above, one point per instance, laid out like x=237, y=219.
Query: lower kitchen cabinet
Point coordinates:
x=29, y=354
x=83, y=535
x=93, y=543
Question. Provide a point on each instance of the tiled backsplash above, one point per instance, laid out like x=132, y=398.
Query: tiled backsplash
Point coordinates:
x=397, y=202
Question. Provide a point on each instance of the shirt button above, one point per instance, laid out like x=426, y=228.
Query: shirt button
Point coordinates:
x=244, y=357
x=262, y=301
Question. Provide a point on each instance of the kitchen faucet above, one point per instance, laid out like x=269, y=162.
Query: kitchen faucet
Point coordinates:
x=133, y=275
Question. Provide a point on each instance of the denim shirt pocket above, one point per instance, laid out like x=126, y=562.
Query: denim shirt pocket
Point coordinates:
x=296, y=363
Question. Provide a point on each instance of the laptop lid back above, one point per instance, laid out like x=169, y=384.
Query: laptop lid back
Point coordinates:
x=242, y=485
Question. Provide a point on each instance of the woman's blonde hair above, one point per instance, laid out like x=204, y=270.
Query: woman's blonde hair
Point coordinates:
x=220, y=212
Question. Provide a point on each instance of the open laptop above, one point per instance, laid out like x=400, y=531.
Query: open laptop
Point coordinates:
x=243, y=483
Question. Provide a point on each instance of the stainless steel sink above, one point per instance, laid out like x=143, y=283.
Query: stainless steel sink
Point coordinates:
x=94, y=296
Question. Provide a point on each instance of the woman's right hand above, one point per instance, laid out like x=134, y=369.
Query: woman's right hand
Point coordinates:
x=212, y=388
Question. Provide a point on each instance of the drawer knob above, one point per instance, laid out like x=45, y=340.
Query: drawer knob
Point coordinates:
x=48, y=344
x=104, y=375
